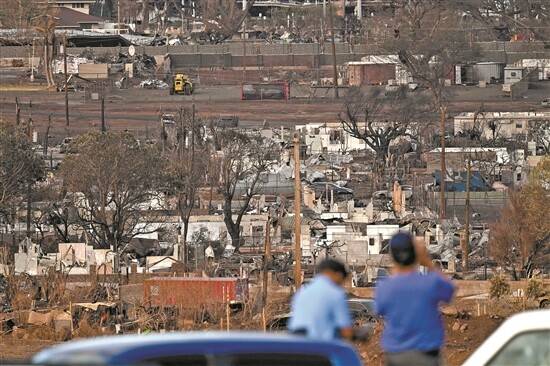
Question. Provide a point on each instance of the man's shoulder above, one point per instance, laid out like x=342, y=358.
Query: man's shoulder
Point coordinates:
x=325, y=285
x=397, y=281
x=389, y=281
x=415, y=279
x=441, y=283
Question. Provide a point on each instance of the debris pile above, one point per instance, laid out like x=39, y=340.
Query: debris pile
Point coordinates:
x=153, y=84
x=72, y=64
x=281, y=35
x=144, y=65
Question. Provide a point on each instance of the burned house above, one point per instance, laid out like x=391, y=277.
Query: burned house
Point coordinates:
x=492, y=125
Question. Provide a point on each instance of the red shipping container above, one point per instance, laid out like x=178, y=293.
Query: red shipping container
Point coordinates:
x=194, y=292
x=279, y=91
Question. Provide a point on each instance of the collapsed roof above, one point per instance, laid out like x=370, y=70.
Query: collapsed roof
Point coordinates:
x=103, y=40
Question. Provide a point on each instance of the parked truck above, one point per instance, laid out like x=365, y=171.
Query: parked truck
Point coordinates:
x=181, y=84
x=194, y=292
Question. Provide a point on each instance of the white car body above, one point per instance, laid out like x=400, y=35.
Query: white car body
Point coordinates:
x=500, y=346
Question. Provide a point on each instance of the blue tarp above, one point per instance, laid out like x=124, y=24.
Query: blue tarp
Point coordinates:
x=477, y=183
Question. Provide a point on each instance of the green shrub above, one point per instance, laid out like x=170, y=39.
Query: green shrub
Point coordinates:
x=499, y=286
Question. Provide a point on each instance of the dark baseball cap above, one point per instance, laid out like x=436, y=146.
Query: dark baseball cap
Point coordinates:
x=402, y=249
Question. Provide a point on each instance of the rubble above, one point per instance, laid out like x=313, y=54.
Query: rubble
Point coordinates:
x=153, y=84
x=141, y=65
x=123, y=83
x=342, y=216
x=72, y=64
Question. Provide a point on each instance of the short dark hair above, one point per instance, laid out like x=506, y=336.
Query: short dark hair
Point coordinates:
x=402, y=249
x=334, y=266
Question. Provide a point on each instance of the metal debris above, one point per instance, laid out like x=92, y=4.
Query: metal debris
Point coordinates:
x=153, y=84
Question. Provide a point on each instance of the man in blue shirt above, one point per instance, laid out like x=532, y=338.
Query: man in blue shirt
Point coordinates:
x=319, y=309
x=408, y=301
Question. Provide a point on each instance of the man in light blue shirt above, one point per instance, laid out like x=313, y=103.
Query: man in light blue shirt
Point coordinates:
x=319, y=309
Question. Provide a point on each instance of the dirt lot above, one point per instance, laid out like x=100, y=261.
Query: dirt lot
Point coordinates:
x=465, y=330
x=460, y=344
x=138, y=109
x=16, y=349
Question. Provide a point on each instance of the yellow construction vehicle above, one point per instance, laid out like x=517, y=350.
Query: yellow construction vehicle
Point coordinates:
x=181, y=84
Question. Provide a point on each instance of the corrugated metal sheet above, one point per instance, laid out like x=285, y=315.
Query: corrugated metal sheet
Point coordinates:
x=193, y=292
x=370, y=74
x=402, y=75
x=484, y=71
x=381, y=59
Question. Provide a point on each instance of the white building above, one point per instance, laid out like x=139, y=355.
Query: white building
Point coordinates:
x=356, y=243
x=78, y=5
x=542, y=64
x=514, y=74
x=213, y=228
x=328, y=138
x=504, y=124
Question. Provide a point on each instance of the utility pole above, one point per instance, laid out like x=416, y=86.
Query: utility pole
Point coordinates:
x=443, y=202
x=29, y=182
x=244, y=46
x=186, y=217
x=267, y=255
x=30, y=124
x=334, y=70
x=32, y=62
x=465, y=249
x=29, y=206
x=46, y=138
x=192, y=171
x=193, y=139
x=66, y=79
x=297, y=227
x=182, y=16
x=118, y=16
x=17, y=112
x=103, y=126
x=182, y=135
